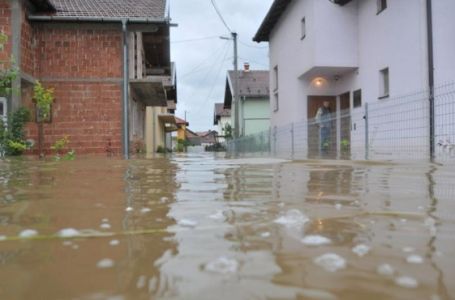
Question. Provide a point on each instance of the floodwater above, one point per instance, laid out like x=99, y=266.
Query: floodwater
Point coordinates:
x=199, y=226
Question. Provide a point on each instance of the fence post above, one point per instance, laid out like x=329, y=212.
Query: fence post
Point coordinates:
x=292, y=141
x=274, y=141
x=367, y=133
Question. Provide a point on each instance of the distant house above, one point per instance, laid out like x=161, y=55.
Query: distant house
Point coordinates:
x=208, y=137
x=254, y=107
x=193, y=138
x=108, y=62
x=181, y=131
x=222, y=118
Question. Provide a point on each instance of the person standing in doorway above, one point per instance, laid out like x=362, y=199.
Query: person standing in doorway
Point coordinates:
x=324, y=120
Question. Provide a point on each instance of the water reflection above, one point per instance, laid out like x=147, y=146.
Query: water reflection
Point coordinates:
x=202, y=227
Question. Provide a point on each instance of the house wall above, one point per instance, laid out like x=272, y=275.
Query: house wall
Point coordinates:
x=5, y=28
x=221, y=126
x=254, y=116
x=395, y=38
x=83, y=64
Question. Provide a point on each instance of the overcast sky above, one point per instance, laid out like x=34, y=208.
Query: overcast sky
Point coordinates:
x=203, y=58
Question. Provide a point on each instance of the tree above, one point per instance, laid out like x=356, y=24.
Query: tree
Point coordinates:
x=44, y=99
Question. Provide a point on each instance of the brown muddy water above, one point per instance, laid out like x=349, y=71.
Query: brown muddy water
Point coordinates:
x=198, y=226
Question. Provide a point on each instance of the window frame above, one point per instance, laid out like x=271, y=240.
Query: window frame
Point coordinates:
x=303, y=28
x=358, y=93
x=276, y=102
x=381, y=6
x=384, y=83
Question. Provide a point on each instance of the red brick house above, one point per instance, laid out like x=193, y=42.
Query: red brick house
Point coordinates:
x=108, y=61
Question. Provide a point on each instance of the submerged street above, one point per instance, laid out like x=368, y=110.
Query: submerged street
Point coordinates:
x=198, y=226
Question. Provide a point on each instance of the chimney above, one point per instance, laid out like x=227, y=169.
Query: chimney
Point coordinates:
x=246, y=67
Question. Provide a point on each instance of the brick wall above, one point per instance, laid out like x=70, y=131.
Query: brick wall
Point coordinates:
x=28, y=46
x=5, y=27
x=84, y=66
x=89, y=113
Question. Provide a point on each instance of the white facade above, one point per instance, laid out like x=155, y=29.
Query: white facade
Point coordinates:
x=222, y=122
x=345, y=48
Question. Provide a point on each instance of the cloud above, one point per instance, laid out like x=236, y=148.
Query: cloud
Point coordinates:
x=202, y=64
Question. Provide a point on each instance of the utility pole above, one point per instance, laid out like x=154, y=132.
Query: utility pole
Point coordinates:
x=236, y=88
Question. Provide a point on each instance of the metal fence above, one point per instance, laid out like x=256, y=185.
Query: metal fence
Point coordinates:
x=391, y=129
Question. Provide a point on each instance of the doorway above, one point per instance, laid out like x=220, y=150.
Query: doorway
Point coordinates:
x=315, y=147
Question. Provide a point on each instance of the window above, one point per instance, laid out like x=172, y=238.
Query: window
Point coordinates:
x=357, y=98
x=276, y=105
x=382, y=5
x=2, y=109
x=303, y=29
x=275, y=79
x=384, y=83
x=276, y=102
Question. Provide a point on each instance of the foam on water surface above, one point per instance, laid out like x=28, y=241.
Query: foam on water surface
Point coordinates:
x=68, y=233
x=316, y=240
x=105, y=263
x=407, y=282
x=292, y=218
x=361, y=250
x=223, y=265
x=331, y=262
x=414, y=259
x=187, y=223
x=28, y=233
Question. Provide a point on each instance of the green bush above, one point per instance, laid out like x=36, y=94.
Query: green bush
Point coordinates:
x=12, y=136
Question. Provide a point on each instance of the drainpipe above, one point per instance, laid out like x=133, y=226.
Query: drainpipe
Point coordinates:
x=431, y=76
x=126, y=130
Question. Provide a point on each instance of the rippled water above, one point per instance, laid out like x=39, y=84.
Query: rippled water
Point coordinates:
x=199, y=226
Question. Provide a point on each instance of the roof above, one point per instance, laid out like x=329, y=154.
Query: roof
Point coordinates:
x=272, y=17
x=220, y=112
x=181, y=122
x=152, y=9
x=252, y=84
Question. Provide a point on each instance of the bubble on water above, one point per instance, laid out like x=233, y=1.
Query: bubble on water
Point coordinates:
x=338, y=206
x=129, y=209
x=187, y=223
x=114, y=243
x=420, y=208
x=316, y=240
x=68, y=233
x=408, y=249
x=223, y=265
x=414, y=259
x=361, y=250
x=28, y=233
x=218, y=215
x=407, y=282
x=105, y=220
x=331, y=262
x=105, y=263
x=265, y=234
x=145, y=210
x=293, y=218
x=385, y=270
x=75, y=247
x=105, y=226
x=3, y=237
x=141, y=282
x=435, y=297
x=281, y=204
x=164, y=200
x=404, y=221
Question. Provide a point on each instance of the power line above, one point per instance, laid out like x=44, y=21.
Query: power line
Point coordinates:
x=205, y=60
x=251, y=46
x=195, y=39
x=254, y=61
x=220, y=15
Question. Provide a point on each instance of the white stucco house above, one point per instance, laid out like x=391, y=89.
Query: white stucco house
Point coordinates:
x=222, y=119
x=353, y=52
